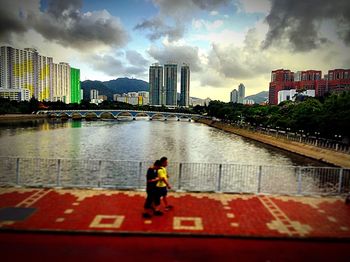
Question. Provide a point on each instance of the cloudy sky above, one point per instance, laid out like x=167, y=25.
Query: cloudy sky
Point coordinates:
x=226, y=42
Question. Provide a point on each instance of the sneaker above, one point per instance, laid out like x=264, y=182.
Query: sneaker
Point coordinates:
x=146, y=215
x=158, y=213
x=169, y=207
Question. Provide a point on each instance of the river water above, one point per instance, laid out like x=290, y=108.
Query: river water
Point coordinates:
x=140, y=140
x=117, y=154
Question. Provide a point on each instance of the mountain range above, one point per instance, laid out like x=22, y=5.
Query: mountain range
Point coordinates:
x=116, y=86
x=259, y=97
x=125, y=85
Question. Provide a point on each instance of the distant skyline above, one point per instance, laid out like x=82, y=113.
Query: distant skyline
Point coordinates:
x=225, y=42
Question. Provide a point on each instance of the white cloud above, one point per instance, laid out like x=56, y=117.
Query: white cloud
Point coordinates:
x=214, y=13
x=208, y=25
x=224, y=37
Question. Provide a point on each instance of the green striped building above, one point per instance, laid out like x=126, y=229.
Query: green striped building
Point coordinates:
x=75, y=85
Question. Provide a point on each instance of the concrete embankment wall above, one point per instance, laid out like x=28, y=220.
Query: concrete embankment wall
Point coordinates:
x=321, y=154
x=21, y=117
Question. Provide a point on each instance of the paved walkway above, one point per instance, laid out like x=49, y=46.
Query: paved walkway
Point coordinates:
x=337, y=158
x=209, y=214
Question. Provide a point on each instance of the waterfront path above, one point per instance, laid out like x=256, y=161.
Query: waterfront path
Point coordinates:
x=8, y=117
x=325, y=155
x=92, y=225
x=110, y=211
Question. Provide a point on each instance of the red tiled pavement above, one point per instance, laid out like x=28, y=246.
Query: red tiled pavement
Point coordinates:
x=194, y=213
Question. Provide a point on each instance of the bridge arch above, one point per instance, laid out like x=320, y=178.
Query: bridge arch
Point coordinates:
x=142, y=114
x=171, y=117
x=125, y=115
x=52, y=115
x=158, y=116
x=76, y=115
x=63, y=115
x=107, y=115
x=90, y=115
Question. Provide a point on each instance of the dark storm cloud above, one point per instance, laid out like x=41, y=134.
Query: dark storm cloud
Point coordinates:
x=172, y=7
x=14, y=15
x=135, y=58
x=209, y=4
x=157, y=29
x=62, y=22
x=56, y=8
x=177, y=54
x=299, y=21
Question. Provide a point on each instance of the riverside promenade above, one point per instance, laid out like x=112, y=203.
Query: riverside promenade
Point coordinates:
x=203, y=225
x=10, y=117
x=321, y=154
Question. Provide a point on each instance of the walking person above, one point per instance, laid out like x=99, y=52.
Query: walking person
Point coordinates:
x=163, y=184
x=152, y=202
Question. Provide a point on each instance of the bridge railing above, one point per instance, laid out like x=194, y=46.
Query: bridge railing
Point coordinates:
x=200, y=177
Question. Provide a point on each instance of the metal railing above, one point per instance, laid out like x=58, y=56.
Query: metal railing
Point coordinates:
x=208, y=177
x=330, y=144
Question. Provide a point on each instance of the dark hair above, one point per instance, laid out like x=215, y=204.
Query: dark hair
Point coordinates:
x=157, y=163
x=163, y=159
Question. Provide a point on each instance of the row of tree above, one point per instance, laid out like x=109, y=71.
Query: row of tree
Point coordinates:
x=28, y=107
x=326, y=117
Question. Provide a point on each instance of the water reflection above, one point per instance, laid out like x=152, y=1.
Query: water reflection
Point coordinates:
x=137, y=140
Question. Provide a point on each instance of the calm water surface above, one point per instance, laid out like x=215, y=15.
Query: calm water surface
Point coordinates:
x=142, y=140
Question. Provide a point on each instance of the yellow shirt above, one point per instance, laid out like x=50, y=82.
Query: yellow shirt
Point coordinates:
x=162, y=175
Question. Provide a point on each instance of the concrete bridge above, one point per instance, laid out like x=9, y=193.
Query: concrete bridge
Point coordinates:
x=118, y=114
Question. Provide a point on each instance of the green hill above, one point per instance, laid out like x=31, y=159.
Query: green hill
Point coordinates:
x=116, y=86
x=259, y=97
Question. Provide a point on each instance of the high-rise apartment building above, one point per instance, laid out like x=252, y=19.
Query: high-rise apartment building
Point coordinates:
x=185, y=86
x=156, y=91
x=75, y=85
x=27, y=69
x=18, y=68
x=234, y=96
x=241, y=93
x=170, y=84
x=43, y=84
x=93, y=94
x=280, y=80
x=336, y=80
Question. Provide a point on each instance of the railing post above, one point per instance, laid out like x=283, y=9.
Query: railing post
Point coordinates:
x=219, y=177
x=58, y=178
x=340, y=180
x=180, y=176
x=298, y=172
x=140, y=174
x=259, y=179
x=99, y=173
x=17, y=171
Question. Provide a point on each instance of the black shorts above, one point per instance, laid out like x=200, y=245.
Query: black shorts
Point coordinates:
x=162, y=191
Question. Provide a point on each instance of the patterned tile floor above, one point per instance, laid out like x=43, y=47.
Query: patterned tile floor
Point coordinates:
x=195, y=213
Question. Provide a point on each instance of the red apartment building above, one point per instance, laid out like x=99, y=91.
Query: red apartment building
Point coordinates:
x=336, y=80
